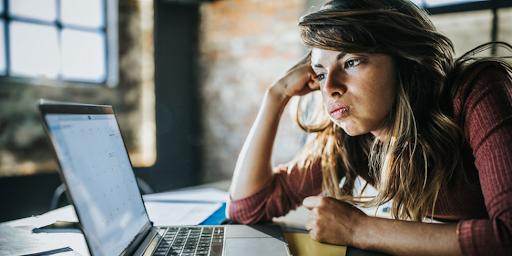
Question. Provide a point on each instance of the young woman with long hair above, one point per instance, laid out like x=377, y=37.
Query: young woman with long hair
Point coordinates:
x=430, y=132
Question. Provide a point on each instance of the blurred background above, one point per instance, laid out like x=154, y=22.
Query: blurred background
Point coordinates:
x=186, y=78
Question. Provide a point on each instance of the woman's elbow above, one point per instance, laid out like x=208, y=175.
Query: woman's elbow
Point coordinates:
x=244, y=215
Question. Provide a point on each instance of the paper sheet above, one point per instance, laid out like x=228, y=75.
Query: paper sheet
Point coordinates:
x=66, y=214
x=26, y=240
x=169, y=214
x=301, y=244
x=206, y=195
x=187, y=207
x=183, y=207
x=162, y=213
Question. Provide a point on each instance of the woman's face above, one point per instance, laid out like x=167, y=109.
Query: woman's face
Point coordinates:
x=358, y=90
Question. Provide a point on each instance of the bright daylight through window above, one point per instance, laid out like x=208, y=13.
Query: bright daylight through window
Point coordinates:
x=439, y=3
x=54, y=39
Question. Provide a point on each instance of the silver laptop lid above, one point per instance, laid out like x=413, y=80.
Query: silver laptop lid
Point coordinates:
x=98, y=174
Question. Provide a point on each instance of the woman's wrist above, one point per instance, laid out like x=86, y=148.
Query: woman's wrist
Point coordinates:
x=361, y=237
x=275, y=93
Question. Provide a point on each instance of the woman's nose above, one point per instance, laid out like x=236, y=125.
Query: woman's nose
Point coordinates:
x=334, y=86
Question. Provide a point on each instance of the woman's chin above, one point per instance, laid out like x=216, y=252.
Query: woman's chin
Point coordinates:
x=349, y=130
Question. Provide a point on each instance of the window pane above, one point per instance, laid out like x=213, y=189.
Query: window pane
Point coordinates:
x=34, y=50
x=505, y=31
x=435, y=3
x=45, y=10
x=83, y=56
x=1, y=7
x=87, y=13
x=2, y=48
x=417, y=2
x=467, y=30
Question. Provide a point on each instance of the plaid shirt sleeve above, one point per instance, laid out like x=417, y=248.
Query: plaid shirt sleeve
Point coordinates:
x=484, y=104
x=284, y=192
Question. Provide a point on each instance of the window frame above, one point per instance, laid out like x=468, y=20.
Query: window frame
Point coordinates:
x=492, y=5
x=467, y=7
x=111, y=49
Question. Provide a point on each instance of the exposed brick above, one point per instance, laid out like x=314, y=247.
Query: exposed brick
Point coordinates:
x=245, y=46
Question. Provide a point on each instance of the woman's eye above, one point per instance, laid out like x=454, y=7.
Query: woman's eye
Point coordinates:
x=352, y=63
x=319, y=77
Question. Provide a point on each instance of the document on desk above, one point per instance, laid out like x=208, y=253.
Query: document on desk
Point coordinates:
x=26, y=240
x=187, y=207
x=64, y=214
x=172, y=214
x=203, y=195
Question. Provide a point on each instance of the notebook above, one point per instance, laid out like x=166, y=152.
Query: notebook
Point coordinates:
x=102, y=187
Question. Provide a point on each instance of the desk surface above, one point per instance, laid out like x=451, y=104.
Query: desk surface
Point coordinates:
x=23, y=236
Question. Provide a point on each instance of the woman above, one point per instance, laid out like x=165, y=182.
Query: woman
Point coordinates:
x=431, y=133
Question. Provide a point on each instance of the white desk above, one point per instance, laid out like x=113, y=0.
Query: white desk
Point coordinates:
x=24, y=236
x=34, y=235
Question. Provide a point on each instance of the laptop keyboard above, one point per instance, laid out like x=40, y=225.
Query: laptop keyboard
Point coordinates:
x=188, y=241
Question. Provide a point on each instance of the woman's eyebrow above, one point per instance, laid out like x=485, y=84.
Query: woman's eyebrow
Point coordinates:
x=339, y=57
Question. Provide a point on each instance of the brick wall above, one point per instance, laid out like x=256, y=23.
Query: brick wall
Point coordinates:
x=245, y=45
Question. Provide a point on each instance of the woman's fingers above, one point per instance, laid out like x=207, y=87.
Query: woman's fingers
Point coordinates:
x=331, y=220
x=313, y=85
x=311, y=201
x=299, y=79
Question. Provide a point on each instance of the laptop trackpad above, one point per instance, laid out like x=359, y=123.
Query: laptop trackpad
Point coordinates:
x=255, y=246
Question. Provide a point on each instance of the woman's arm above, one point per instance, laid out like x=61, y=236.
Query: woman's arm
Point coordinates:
x=253, y=168
x=337, y=222
x=484, y=104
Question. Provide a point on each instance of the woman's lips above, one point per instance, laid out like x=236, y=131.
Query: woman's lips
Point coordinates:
x=338, y=110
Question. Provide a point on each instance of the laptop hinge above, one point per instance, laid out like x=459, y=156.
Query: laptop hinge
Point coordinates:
x=149, y=244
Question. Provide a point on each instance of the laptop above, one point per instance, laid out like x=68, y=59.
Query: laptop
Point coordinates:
x=102, y=187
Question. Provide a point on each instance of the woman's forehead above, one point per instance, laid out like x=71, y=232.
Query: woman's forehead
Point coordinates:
x=320, y=55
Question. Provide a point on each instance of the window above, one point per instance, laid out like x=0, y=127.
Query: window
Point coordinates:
x=470, y=23
x=58, y=40
x=450, y=6
x=437, y=3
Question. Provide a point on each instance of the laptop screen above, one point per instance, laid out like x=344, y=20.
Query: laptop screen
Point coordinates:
x=99, y=178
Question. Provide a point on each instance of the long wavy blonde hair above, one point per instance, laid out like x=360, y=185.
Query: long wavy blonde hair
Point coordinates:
x=423, y=143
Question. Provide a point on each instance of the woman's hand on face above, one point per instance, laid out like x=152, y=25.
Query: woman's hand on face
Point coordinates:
x=298, y=80
x=332, y=221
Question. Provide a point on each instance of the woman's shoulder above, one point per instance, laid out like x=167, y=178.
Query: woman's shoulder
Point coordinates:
x=486, y=76
x=485, y=73
x=484, y=88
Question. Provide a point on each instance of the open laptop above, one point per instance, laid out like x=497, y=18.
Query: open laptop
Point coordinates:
x=101, y=185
